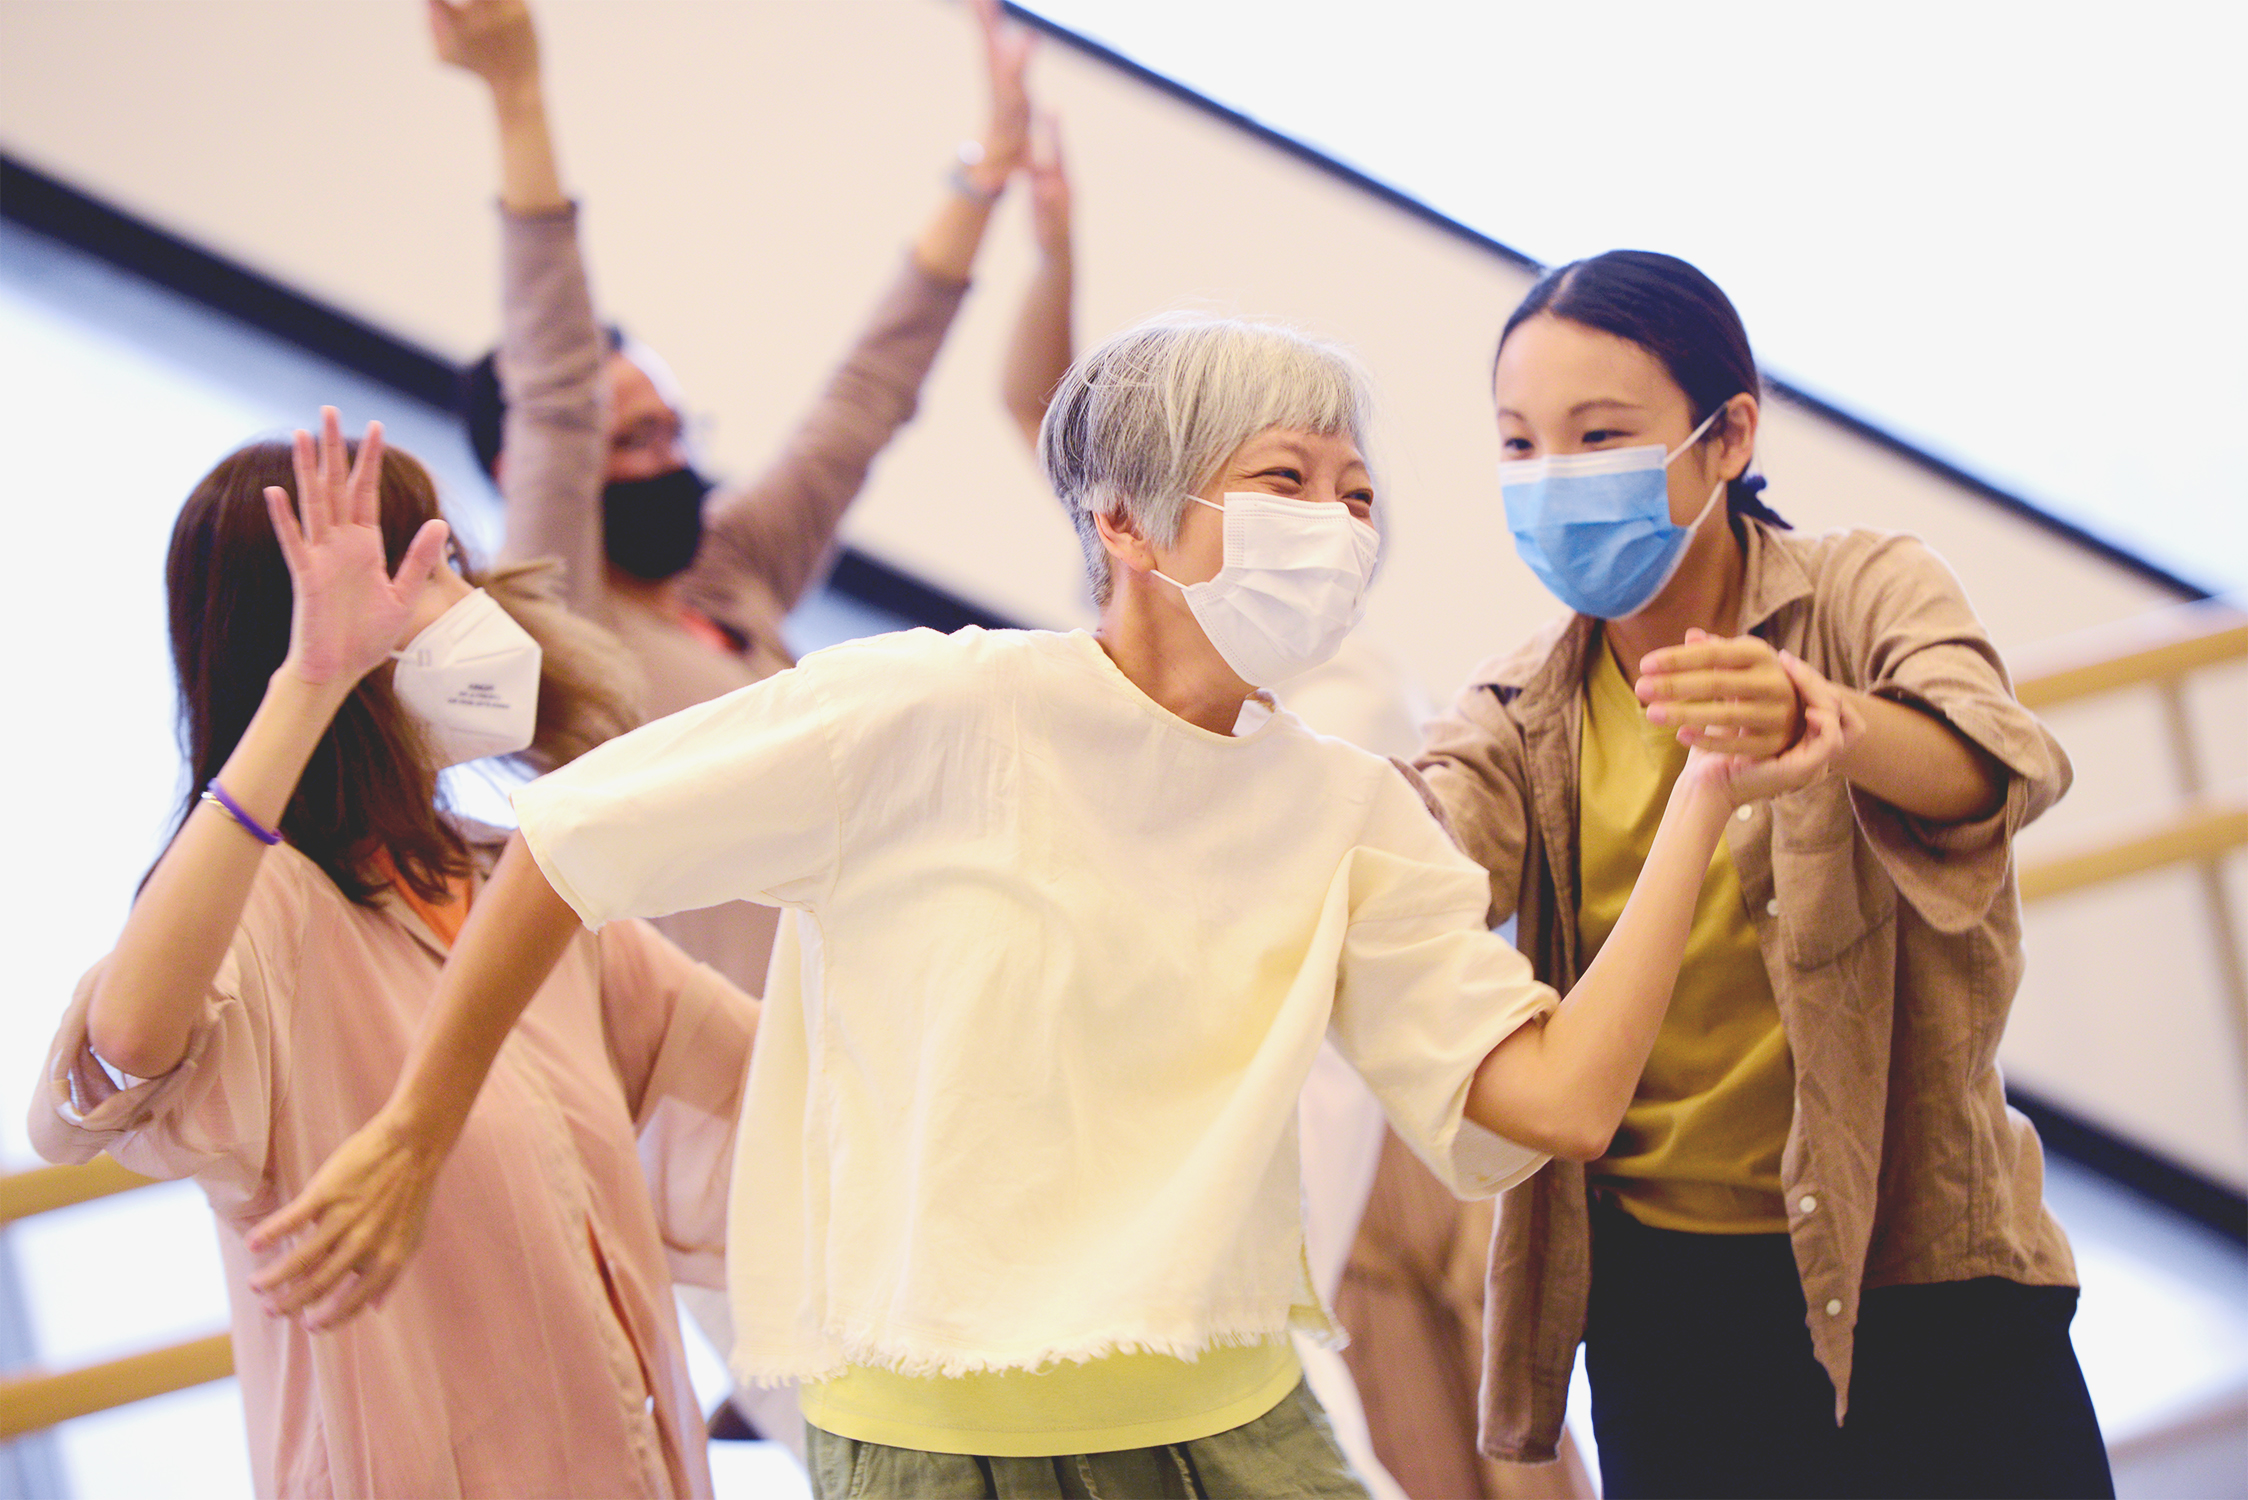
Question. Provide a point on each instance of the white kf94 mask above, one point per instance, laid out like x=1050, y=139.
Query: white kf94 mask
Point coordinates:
x=472, y=678
x=1293, y=584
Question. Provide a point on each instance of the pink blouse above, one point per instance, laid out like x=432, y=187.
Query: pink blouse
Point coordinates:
x=531, y=1348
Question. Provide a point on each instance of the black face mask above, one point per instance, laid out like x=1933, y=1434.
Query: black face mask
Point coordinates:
x=652, y=526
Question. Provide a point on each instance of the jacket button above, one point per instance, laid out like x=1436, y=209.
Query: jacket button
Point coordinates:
x=1809, y=1203
x=1834, y=1308
x=1745, y=813
x=1772, y=907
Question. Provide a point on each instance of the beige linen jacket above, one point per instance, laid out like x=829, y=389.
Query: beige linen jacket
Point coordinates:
x=1893, y=945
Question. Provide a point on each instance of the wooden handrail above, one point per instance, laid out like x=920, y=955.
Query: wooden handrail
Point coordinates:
x=2167, y=643
x=33, y=1399
x=29, y=1402
x=2201, y=831
x=23, y=1194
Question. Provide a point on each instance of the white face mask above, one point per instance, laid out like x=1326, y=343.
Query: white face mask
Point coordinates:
x=1293, y=584
x=472, y=678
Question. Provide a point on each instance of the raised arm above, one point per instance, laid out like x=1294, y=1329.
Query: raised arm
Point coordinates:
x=1562, y=1086
x=494, y=40
x=770, y=535
x=349, y=613
x=946, y=247
x=1039, y=353
x=553, y=444
x=358, y=1220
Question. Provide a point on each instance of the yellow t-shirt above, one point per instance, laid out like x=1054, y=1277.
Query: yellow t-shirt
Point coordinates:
x=1700, y=1144
x=1101, y=1406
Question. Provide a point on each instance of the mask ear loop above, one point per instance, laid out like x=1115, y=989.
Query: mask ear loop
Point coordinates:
x=1692, y=438
x=1167, y=578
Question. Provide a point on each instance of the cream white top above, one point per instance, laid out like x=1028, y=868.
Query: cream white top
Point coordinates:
x=1025, y=1086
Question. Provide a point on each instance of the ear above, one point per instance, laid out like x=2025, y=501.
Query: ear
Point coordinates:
x=1737, y=435
x=1125, y=545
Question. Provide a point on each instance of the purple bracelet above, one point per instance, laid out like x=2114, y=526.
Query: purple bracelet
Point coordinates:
x=214, y=793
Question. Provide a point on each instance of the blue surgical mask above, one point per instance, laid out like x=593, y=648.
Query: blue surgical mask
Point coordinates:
x=1596, y=527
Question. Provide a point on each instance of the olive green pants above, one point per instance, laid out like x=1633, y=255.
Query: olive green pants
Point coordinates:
x=1289, y=1451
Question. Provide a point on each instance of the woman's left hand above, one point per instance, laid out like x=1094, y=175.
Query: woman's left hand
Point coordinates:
x=1724, y=693
x=1832, y=724
x=1006, y=140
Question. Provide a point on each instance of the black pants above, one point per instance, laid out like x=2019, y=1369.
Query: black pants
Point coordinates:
x=1703, y=1380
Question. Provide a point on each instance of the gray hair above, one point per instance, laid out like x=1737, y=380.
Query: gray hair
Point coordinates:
x=1146, y=419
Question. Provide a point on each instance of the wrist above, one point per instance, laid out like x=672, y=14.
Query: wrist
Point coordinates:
x=298, y=697
x=1701, y=800
x=300, y=709
x=983, y=169
x=419, y=1119
x=517, y=96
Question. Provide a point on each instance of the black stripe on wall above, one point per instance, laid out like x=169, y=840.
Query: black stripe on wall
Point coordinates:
x=1871, y=432
x=2149, y=1173
x=38, y=202
x=46, y=205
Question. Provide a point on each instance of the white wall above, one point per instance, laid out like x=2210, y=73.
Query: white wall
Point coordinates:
x=751, y=172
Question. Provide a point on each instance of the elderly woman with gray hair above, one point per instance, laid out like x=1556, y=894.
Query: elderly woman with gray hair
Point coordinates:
x=1071, y=914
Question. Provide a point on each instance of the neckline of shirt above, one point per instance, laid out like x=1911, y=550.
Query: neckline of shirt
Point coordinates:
x=1087, y=645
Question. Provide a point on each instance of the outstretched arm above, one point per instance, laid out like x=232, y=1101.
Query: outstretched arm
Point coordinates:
x=1562, y=1086
x=553, y=441
x=348, y=613
x=357, y=1222
x=1039, y=354
x=769, y=536
x=494, y=39
x=946, y=247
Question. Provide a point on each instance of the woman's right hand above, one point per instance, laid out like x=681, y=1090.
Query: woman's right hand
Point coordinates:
x=349, y=610
x=494, y=39
x=1832, y=723
x=1049, y=191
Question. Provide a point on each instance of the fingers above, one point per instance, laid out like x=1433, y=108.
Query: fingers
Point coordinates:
x=361, y=1293
x=285, y=528
x=423, y=556
x=284, y=1282
x=1812, y=687
x=364, y=488
x=323, y=1275
x=335, y=1240
x=1705, y=652
x=1046, y=146
x=331, y=461
x=1708, y=709
x=307, y=469
x=1811, y=759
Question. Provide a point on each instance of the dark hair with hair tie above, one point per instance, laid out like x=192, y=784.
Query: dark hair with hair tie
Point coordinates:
x=1675, y=313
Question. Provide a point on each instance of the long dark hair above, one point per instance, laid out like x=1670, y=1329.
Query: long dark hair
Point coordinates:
x=1674, y=312
x=370, y=784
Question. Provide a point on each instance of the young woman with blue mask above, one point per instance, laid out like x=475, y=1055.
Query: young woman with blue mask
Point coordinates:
x=1814, y=1260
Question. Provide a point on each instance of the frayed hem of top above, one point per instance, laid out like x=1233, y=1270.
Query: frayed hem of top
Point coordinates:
x=918, y=1360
